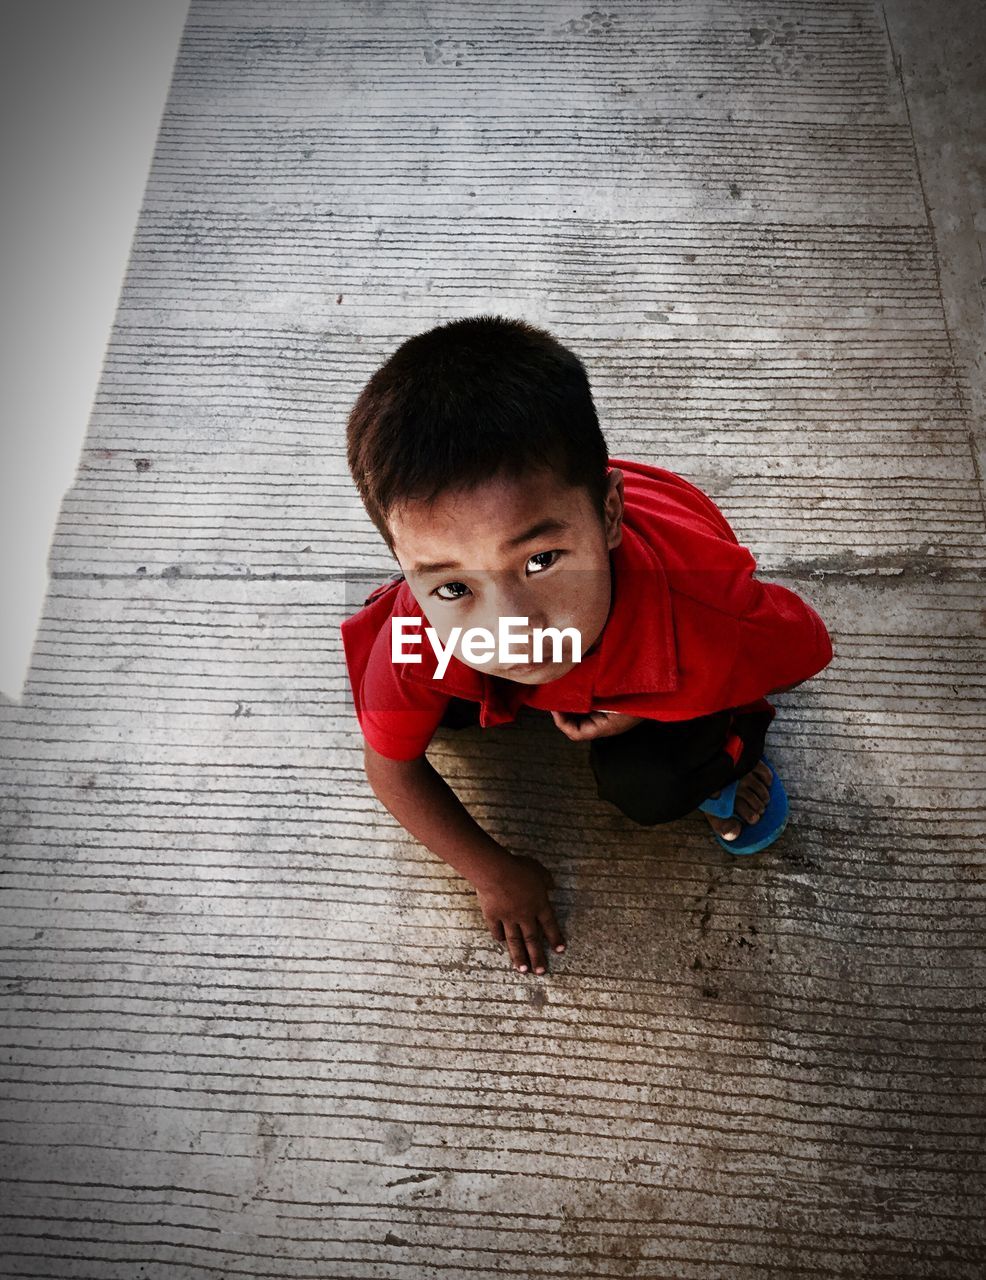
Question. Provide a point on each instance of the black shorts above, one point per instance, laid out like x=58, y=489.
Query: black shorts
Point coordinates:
x=659, y=770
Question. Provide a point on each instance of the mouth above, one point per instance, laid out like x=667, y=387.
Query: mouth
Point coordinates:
x=540, y=671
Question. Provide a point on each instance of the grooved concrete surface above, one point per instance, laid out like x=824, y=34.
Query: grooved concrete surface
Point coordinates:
x=252, y=1028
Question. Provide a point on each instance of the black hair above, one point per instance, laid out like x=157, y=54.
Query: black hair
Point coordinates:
x=465, y=401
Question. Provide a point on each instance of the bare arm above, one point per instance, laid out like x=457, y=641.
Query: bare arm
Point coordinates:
x=426, y=806
x=512, y=889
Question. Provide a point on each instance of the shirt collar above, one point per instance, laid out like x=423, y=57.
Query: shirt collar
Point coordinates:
x=636, y=652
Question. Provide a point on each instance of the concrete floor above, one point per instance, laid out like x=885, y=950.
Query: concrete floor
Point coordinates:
x=254, y=1029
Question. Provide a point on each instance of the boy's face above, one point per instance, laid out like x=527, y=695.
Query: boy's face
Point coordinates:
x=532, y=547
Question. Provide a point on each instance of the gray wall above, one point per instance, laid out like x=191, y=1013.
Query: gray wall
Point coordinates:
x=83, y=88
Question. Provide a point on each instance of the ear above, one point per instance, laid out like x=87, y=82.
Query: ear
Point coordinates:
x=613, y=509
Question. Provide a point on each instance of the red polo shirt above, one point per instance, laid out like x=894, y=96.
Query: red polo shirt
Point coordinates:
x=690, y=631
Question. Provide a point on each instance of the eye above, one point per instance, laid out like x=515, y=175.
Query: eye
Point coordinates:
x=538, y=560
x=449, y=586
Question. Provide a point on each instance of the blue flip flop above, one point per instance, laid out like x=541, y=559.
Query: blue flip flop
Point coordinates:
x=758, y=835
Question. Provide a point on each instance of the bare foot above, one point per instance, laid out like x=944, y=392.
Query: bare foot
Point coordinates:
x=752, y=794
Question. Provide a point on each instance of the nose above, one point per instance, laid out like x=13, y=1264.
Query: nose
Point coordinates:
x=507, y=599
x=504, y=600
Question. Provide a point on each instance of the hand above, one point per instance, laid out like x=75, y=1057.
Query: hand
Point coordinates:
x=594, y=724
x=515, y=905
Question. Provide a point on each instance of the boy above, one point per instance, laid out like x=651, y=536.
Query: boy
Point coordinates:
x=478, y=455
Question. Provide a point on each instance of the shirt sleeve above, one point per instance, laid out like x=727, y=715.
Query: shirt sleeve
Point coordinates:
x=782, y=640
x=397, y=719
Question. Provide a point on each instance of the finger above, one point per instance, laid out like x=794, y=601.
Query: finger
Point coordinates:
x=496, y=929
x=534, y=948
x=552, y=931
x=561, y=724
x=518, y=951
x=574, y=720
